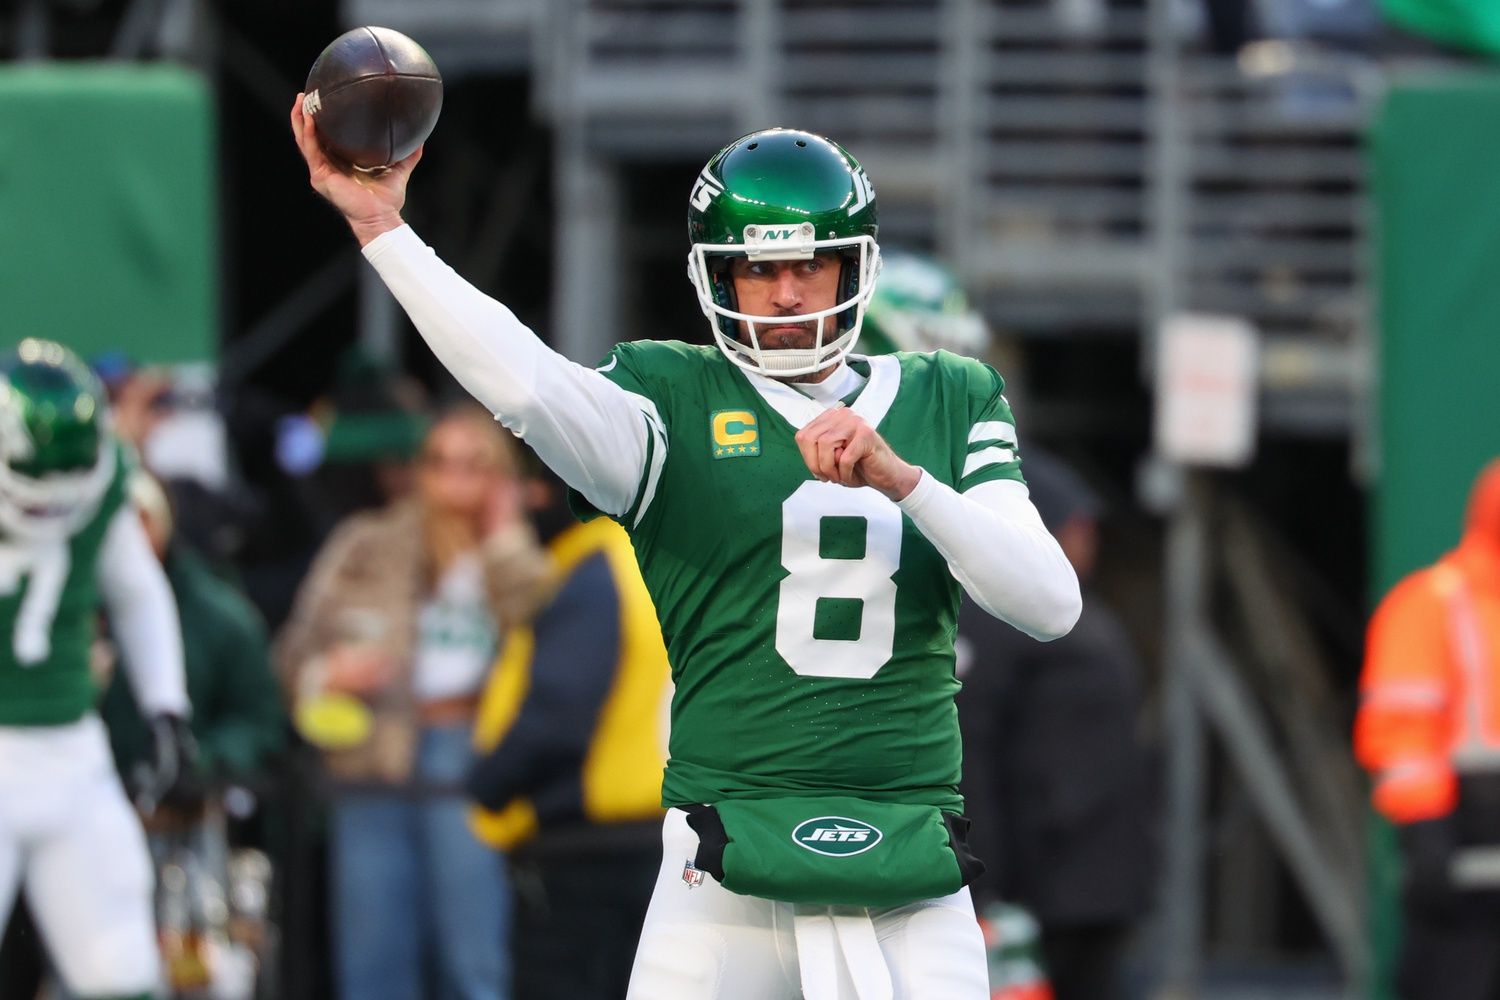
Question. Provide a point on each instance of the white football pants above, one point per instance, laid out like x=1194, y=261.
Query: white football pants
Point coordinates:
x=704, y=942
x=68, y=833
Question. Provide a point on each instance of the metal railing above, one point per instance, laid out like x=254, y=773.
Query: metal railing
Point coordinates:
x=1032, y=152
x=1274, y=219
x=464, y=36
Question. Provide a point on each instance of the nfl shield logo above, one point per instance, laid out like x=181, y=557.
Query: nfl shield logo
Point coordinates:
x=692, y=875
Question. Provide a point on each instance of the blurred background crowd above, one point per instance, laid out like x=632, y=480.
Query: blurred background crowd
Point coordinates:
x=1235, y=259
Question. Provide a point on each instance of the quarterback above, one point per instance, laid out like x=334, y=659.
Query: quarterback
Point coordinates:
x=69, y=541
x=804, y=518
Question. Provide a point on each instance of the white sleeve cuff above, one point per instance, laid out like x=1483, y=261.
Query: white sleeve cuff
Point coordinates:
x=402, y=236
x=920, y=496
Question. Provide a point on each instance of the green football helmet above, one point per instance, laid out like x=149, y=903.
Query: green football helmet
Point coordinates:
x=920, y=306
x=781, y=194
x=55, y=458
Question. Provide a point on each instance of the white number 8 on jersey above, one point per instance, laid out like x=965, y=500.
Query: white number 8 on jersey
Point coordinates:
x=866, y=578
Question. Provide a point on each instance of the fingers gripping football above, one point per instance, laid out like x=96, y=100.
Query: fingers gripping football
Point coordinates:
x=840, y=447
x=370, y=201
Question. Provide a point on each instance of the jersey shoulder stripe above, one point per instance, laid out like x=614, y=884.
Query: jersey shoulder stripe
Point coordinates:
x=991, y=443
x=986, y=457
x=988, y=431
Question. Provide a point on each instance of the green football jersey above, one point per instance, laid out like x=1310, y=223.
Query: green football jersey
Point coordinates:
x=809, y=625
x=49, y=607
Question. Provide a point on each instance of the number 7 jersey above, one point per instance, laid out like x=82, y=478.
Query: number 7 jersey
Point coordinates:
x=809, y=625
x=49, y=612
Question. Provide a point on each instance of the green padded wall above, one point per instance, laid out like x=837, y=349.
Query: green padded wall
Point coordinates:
x=1436, y=157
x=107, y=207
x=1435, y=154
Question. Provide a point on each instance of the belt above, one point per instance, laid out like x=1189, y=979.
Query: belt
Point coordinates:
x=446, y=711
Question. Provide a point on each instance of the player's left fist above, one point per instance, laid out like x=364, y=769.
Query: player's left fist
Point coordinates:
x=839, y=446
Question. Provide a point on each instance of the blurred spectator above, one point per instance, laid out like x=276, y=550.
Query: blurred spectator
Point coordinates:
x=347, y=452
x=176, y=434
x=237, y=714
x=1428, y=731
x=1055, y=778
x=139, y=398
x=574, y=727
x=370, y=424
x=388, y=646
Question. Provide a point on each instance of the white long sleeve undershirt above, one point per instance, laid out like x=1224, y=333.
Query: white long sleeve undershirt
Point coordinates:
x=588, y=430
x=594, y=435
x=143, y=614
x=1031, y=584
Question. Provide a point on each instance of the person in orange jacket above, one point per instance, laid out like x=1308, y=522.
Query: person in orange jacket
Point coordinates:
x=1428, y=731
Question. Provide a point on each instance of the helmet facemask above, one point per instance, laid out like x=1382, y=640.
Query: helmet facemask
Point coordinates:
x=836, y=327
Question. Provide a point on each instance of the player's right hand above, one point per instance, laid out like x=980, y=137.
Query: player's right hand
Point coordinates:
x=370, y=202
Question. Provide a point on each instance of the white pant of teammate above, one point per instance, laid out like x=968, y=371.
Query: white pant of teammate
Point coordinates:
x=69, y=835
x=704, y=942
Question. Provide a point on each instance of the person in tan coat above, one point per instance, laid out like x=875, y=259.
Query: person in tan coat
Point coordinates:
x=384, y=657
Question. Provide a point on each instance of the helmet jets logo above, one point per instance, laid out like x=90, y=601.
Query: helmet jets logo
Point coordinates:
x=705, y=190
x=864, y=192
x=836, y=836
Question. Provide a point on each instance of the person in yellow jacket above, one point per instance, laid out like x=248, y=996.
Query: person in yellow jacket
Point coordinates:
x=572, y=734
x=1428, y=730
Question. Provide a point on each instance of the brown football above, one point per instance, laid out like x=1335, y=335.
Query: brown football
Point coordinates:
x=375, y=96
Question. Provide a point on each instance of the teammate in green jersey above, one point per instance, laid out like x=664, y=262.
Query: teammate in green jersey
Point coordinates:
x=920, y=306
x=69, y=545
x=804, y=518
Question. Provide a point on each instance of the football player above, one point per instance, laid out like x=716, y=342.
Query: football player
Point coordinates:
x=804, y=518
x=69, y=543
x=919, y=305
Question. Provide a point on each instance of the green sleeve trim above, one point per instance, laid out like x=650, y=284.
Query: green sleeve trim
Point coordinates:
x=584, y=509
x=992, y=473
x=631, y=515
